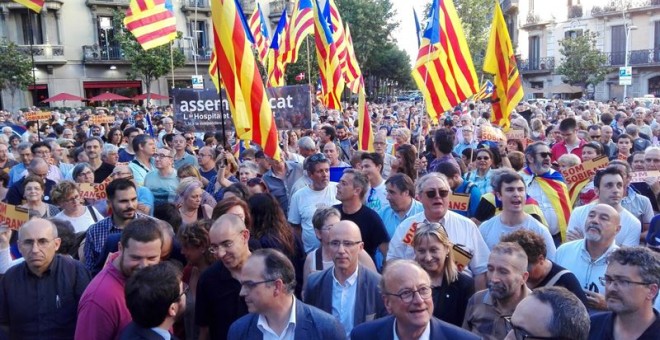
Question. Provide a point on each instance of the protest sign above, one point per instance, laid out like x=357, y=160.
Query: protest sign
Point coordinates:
x=94, y=191
x=459, y=202
x=101, y=119
x=641, y=176
x=32, y=116
x=586, y=170
x=515, y=134
x=201, y=109
x=490, y=133
x=12, y=216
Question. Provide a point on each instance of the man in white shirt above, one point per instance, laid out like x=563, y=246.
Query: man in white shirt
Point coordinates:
x=609, y=186
x=510, y=190
x=304, y=202
x=587, y=258
x=433, y=191
x=372, y=167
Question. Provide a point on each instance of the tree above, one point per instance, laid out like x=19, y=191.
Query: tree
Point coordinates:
x=582, y=63
x=15, y=69
x=148, y=65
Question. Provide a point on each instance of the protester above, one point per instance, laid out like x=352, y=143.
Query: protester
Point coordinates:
x=67, y=196
x=189, y=200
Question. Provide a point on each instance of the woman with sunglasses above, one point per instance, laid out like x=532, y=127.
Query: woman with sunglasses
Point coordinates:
x=482, y=173
x=189, y=200
x=66, y=195
x=257, y=186
x=451, y=288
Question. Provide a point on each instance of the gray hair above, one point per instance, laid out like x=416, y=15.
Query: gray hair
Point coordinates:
x=647, y=262
x=250, y=165
x=359, y=181
x=108, y=149
x=322, y=214
x=570, y=319
x=422, y=181
x=307, y=143
x=646, y=152
x=23, y=145
x=80, y=167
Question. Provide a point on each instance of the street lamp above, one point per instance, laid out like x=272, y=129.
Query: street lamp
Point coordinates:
x=628, y=29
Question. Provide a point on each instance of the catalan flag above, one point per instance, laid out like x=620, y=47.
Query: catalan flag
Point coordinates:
x=301, y=25
x=151, y=23
x=366, y=134
x=246, y=94
x=444, y=72
x=353, y=73
x=501, y=62
x=213, y=70
x=332, y=80
x=260, y=33
x=275, y=63
x=35, y=5
x=485, y=91
x=336, y=25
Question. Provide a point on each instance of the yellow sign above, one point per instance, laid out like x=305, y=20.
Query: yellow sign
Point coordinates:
x=586, y=170
x=641, y=176
x=94, y=191
x=459, y=202
x=38, y=116
x=490, y=133
x=101, y=119
x=12, y=216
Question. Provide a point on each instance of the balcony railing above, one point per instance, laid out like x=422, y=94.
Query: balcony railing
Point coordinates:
x=96, y=53
x=45, y=53
x=121, y=3
x=203, y=54
x=538, y=65
x=575, y=12
x=635, y=58
x=616, y=7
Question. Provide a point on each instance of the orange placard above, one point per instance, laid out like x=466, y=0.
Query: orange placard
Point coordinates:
x=580, y=172
x=101, y=119
x=459, y=202
x=94, y=191
x=12, y=216
x=641, y=176
x=38, y=116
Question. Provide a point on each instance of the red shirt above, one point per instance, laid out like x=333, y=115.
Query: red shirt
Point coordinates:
x=560, y=149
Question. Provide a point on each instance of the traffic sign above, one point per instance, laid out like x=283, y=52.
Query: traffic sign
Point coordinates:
x=625, y=75
x=197, y=82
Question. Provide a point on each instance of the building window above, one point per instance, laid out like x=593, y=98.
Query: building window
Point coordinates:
x=198, y=31
x=534, y=52
x=31, y=27
x=656, y=42
x=108, y=46
x=572, y=34
x=618, y=41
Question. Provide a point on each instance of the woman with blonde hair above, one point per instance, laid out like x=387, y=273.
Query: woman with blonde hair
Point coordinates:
x=190, y=171
x=451, y=288
x=189, y=195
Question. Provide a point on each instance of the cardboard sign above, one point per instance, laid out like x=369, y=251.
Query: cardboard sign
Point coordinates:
x=459, y=202
x=462, y=256
x=515, y=134
x=38, y=116
x=641, y=176
x=94, y=191
x=489, y=133
x=12, y=216
x=586, y=170
x=101, y=119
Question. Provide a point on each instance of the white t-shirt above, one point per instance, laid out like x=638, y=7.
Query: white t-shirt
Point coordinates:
x=377, y=197
x=461, y=231
x=82, y=222
x=575, y=257
x=628, y=236
x=493, y=229
x=304, y=203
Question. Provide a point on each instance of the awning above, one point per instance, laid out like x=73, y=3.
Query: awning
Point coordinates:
x=38, y=87
x=112, y=84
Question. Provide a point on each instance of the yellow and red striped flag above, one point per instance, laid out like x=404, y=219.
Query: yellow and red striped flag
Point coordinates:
x=276, y=63
x=353, y=73
x=151, y=23
x=259, y=30
x=501, y=62
x=246, y=94
x=444, y=71
x=336, y=25
x=35, y=5
x=332, y=79
x=213, y=70
x=301, y=25
x=366, y=134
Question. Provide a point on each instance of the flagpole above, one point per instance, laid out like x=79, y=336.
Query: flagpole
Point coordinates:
x=171, y=62
x=309, y=63
x=222, y=107
x=34, y=74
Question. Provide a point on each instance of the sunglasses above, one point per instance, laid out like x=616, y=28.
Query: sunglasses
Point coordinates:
x=544, y=154
x=437, y=192
x=483, y=158
x=319, y=157
x=255, y=181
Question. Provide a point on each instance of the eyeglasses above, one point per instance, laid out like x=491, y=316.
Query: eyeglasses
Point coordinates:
x=544, y=154
x=436, y=192
x=255, y=181
x=595, y=136
x=249, y=285
x=318, y=157
x=521, y=334
x=214, y=248
x=407, y=296
x=190, y=138
x=41, y=243
x=186, y=289
x=72, y=199
x=347, y=244
x=483, y=158
x=621, y=283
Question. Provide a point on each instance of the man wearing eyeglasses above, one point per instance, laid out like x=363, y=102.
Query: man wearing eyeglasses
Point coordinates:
x=347, y=289
x=507, y=276
x=163, y=181
x=557, y=314
x=218, y=303
x=38, y=167
x=267, y=285
x=39, y=297
x=407, y=294
x=631, y=285
x=156, y=298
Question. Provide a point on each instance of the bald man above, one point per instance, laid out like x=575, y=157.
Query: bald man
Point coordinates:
x=39, y=297
x=38, y=167
x=347, y=289
x=217, y=308
x=587, y=258
x=407, y=294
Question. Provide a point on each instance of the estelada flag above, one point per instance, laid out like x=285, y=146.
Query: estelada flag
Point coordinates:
x=151, y=22
x=35, y=5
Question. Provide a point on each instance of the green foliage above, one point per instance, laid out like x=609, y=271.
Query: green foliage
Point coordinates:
x=393, y=63
x=148, y=65
x=292, y=70
x=15, y=67
x=582, y=63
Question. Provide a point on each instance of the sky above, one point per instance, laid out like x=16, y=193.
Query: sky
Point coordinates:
x=405, y=34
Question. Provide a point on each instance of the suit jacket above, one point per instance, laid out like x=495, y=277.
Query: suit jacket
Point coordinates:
x=311, y=323
x=135, y=332
x=383, y=329
x=369, y=304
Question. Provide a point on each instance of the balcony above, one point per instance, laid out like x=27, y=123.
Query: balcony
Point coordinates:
x=277, y=6
x=107, y=3
x=189, y=7
x=615, y=8
x=535, y=21
x=203, y=54
x=49, y=4
x=45, y=54
x=509, y=6
x=537, y=65
x=95, y=54
x=575, y=12
x=638, y=58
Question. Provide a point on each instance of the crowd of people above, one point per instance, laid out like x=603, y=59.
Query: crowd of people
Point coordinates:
x=449, y=228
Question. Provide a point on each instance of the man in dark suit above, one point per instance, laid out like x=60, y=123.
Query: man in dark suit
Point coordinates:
x=156, y=297
x=268, y=282
x=407, y=293
x=347, y=291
